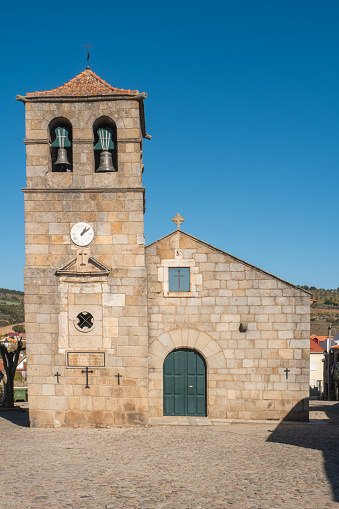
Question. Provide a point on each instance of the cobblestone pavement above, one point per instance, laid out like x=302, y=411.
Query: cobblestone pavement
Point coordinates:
x=240, y=466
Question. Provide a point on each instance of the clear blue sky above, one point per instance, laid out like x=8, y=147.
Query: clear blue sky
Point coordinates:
x=242, y=107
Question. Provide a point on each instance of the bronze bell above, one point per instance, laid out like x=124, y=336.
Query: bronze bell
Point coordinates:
x=62, y=157
x=106, y=163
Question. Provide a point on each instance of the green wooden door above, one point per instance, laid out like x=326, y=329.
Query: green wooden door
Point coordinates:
x=184, y=383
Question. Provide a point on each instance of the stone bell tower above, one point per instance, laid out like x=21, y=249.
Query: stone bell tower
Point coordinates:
x=85, y=275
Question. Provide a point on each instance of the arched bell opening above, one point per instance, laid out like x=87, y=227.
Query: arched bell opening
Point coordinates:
x=105, y=145
x=184, y=383
x=60, y=135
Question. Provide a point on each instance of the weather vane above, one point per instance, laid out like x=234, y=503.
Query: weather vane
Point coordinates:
x=88, y=48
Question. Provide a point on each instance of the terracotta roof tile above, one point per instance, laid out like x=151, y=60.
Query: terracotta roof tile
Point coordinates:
x=87, y=83
x=321, y=338
x=315, y=347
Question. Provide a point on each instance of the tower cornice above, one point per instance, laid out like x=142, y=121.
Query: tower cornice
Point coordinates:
x=81, y=98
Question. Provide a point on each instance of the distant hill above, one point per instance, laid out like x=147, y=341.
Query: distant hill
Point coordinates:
x=11, y=307
x=325, y=310
x=325, y=298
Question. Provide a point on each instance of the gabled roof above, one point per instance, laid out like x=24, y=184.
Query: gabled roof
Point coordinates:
x=315, y=348
x=87, y=83
x=227, y=254
x=321, y=341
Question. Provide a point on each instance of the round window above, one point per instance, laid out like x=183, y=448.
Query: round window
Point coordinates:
x=84, y=321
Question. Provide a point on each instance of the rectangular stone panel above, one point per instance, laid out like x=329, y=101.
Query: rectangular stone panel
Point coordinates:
x=83, y=359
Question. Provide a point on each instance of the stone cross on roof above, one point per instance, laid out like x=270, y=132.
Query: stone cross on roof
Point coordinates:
x=178, y=220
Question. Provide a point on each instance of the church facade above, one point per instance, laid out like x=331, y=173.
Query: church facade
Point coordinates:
x=123, y=334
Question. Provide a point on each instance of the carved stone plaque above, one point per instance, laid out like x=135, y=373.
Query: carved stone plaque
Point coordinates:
x=179, y=254
x=86, y=359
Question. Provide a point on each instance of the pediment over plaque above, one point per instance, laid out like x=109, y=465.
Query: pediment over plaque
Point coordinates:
x=83, y=265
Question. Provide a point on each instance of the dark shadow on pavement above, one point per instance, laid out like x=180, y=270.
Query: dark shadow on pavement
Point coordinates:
x=18, y=416
x=320, y=435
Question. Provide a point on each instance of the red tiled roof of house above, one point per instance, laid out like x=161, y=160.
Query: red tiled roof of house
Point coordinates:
x=315, y=347
x=320, y=338
x=84, y=84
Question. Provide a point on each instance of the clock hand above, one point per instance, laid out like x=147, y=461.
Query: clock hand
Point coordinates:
x=84, y=231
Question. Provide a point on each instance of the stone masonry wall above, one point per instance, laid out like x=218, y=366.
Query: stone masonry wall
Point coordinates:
x=82, y=115
x=113, y=205
x=245, y=370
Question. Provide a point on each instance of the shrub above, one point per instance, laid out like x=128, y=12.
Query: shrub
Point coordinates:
x=19, y=328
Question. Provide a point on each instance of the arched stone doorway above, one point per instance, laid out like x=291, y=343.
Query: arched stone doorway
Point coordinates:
x=184, y=383
x=191, y=339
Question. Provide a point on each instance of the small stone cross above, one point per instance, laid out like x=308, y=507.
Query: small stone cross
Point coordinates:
x=82, y=260
x=287, y=372
x=118, y=376
x=57, y=374
x=178, y=220
x=86, y=371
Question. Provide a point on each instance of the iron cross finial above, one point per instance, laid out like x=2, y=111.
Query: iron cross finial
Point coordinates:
x=88, y=48
x=178, y=220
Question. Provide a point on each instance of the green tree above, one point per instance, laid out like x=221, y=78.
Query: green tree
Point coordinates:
x=19, y=328
x=10, y=356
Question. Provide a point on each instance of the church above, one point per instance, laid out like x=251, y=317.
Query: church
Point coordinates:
x=119, y=333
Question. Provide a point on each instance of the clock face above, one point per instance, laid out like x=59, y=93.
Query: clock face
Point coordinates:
x=82, y=234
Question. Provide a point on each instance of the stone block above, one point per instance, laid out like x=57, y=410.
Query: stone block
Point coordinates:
x=286, y=353
x=114, y=300
x=211, y=349
x=167, y=342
